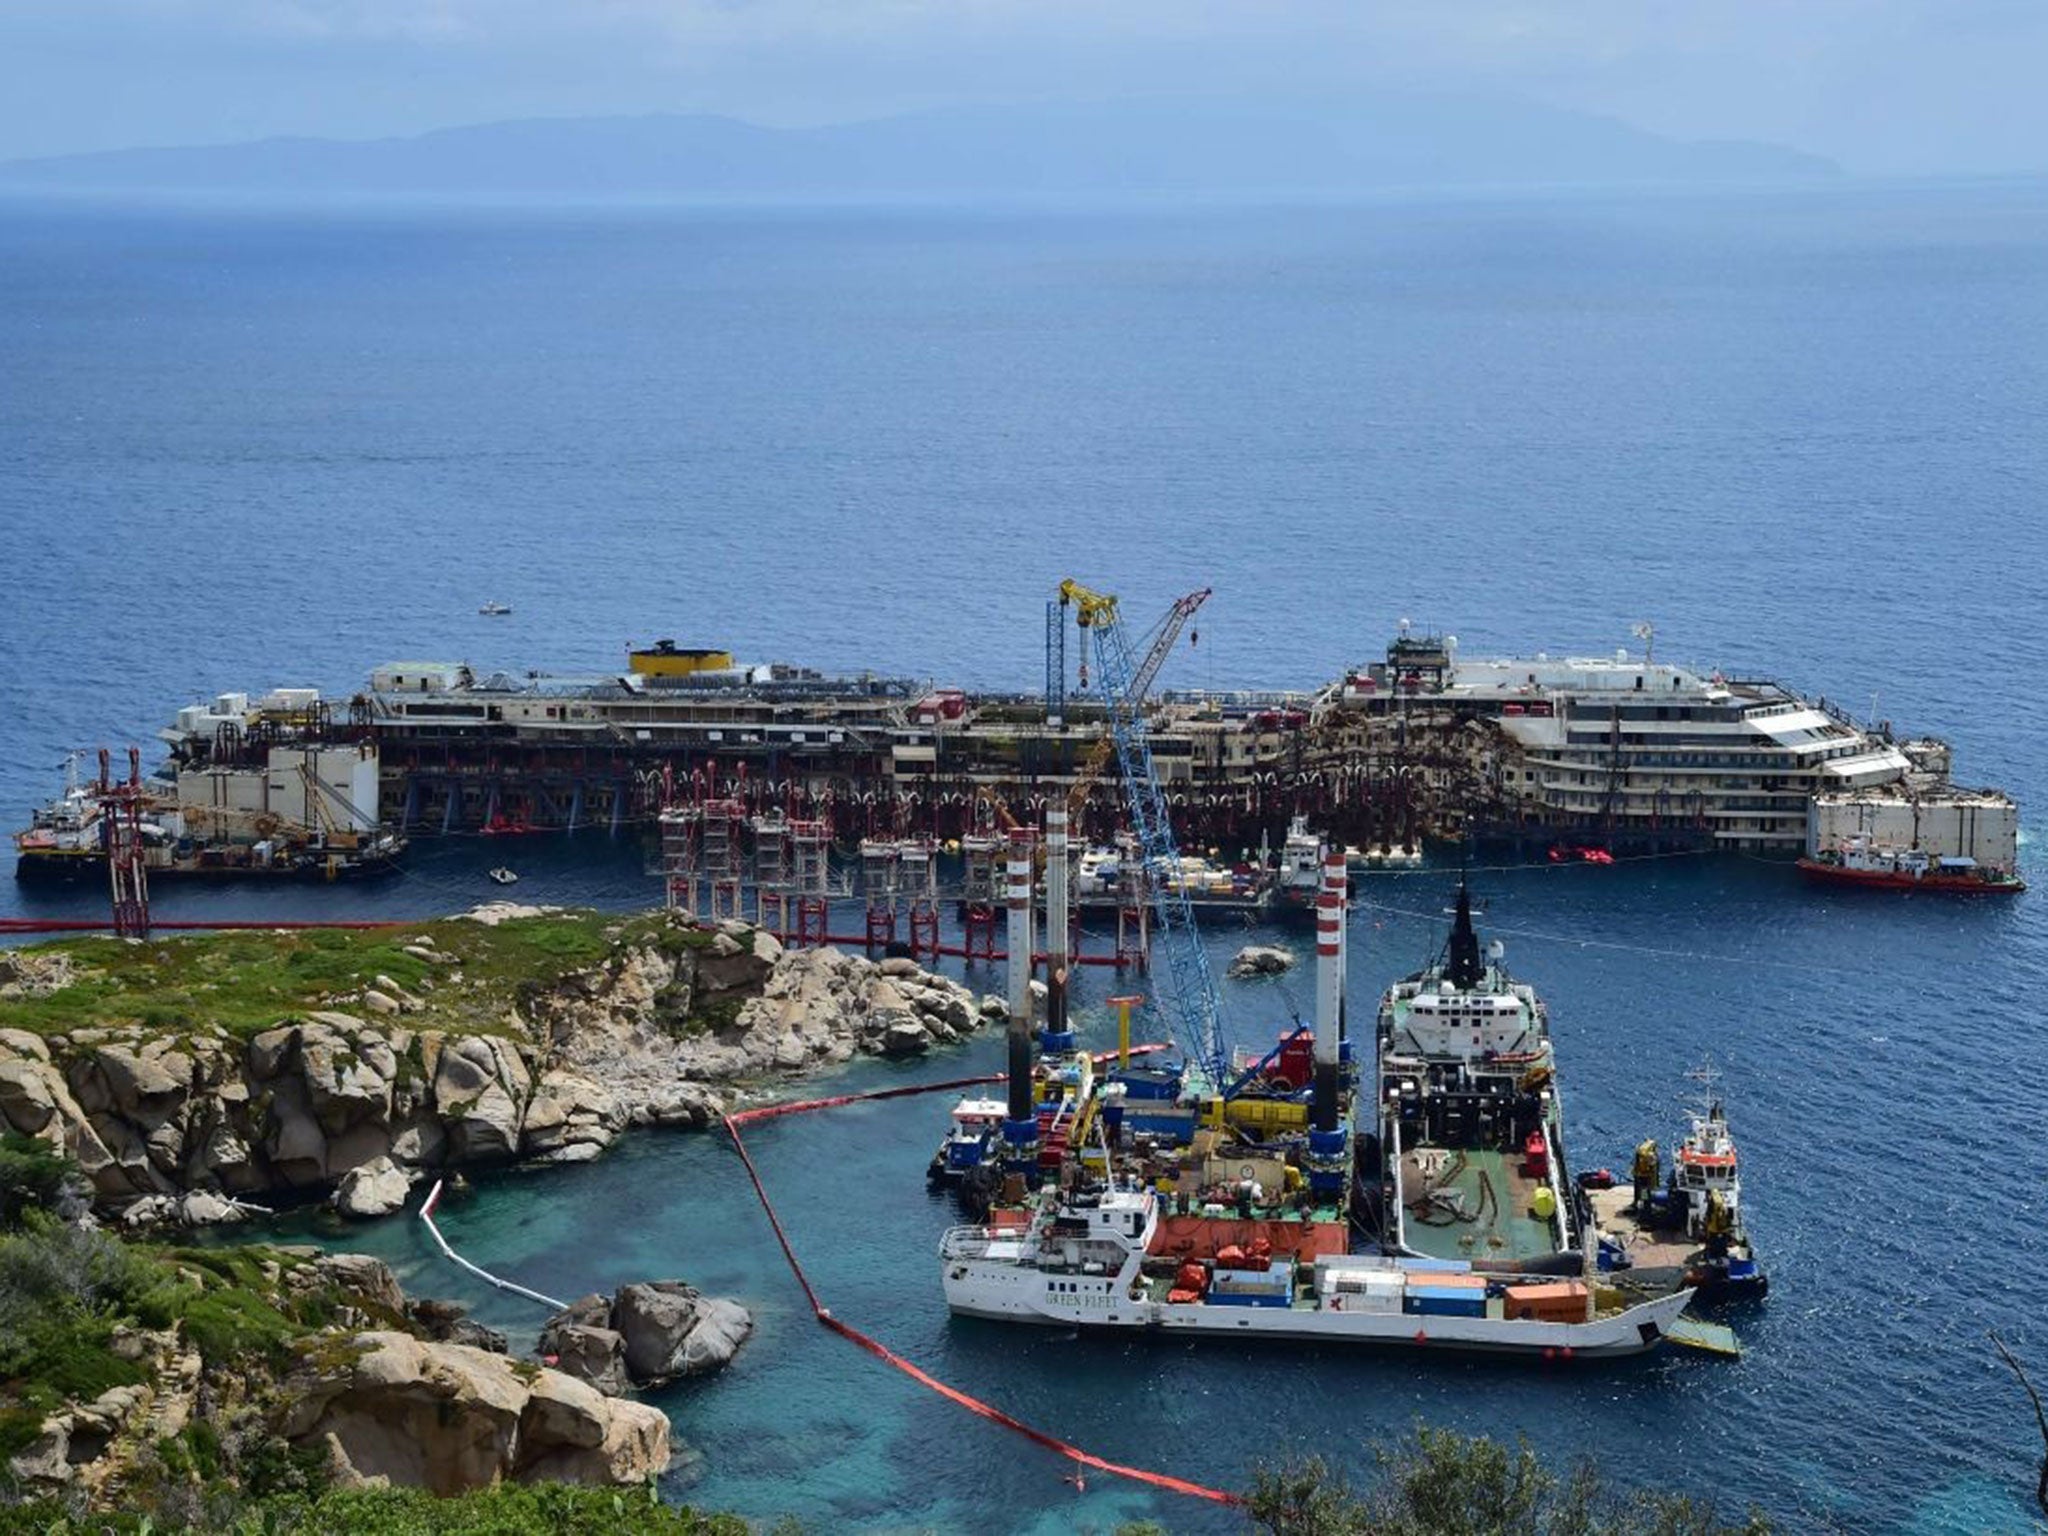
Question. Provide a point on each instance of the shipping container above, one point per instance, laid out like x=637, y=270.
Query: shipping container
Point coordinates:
x=1272, y=1287
x=1562, y=1301
x=1429, y=1300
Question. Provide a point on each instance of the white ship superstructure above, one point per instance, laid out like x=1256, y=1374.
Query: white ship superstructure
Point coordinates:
x=1625, y=748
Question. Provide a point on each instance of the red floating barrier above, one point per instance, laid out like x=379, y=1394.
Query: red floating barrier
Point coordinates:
x=881, y=1351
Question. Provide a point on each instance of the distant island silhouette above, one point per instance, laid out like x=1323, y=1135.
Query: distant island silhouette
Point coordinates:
x=1380, y=142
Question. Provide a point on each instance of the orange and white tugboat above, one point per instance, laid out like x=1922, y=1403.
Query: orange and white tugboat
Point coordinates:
x=1688, y=1233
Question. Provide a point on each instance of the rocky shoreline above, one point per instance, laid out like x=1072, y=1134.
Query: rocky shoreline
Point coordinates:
x=365, y=1088
x=198, y=1081
x=387, y=1390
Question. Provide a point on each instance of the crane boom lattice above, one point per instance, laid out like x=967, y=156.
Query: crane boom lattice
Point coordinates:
x=1158, y=645
x=1192, y=985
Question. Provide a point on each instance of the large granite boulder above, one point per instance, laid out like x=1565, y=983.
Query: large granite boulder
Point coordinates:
x=1261, y=960
x=571, y=1118
x=375, y=1188
x=572, y=1433
x=449, y=1322
x=481, y=1085
x=369, y=1280
x=348, y=1076
x=671, y=1329
x=904, y=1037
x=450, y=1419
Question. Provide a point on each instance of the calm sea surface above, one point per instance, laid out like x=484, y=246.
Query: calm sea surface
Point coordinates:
x=1803, y=434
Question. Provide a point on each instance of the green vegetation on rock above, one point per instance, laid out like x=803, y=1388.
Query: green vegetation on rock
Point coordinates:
x=510, y=1509
x=1438, y=1482
x=245, y=982
x=33, y=1176
x=83, y=1313
x=192, y=1388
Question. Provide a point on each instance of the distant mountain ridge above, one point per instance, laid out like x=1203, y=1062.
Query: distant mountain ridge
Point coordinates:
x=1377, y=143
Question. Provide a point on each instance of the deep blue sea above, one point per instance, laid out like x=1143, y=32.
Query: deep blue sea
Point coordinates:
x=1804, y=434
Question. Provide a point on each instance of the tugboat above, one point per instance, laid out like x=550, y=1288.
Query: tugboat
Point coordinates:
x=1859, y=861
x=64, y=839
x=969, y=1140
x=1471, y=1131
x=1689, y=1232
x=1300, y=869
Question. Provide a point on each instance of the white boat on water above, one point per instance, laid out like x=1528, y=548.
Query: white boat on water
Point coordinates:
x=1082, y=1260
x=1382, y=856
x=1300, y=867
x=1692, y=1228
x=495, y=610
x=969, y=1141
x=1106, y=876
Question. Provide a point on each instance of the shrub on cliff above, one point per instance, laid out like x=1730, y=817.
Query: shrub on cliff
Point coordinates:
x=510, y=1509
x=34, y=1176
x=1441, y=1483
x=62, y=1288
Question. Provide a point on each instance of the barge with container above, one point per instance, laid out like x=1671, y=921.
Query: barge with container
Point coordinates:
x=1085, y=1260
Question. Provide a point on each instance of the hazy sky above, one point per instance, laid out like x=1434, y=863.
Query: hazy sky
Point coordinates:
x=1884, y=86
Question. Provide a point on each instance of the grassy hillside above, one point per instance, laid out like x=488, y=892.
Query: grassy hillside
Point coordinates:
x=246, y=982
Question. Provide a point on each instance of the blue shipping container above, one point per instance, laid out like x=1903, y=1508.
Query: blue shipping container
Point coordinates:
x=1423, y=1301
x=1222, y=1298
x=1253, y=1287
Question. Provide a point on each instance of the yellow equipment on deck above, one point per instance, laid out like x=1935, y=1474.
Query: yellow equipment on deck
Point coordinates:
x=665, y=659
x=1256, y=1116
x=1123, y=1007
x=1716, y=1222
x=1084, y=1122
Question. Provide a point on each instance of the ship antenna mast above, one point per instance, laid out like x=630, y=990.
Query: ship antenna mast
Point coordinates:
x=1466, y=969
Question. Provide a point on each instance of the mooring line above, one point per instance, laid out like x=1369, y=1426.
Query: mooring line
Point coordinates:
x=427, y=1216
x=881, y=1351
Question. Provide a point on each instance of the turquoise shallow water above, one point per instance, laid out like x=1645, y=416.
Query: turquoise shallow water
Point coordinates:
x=1802, y=434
